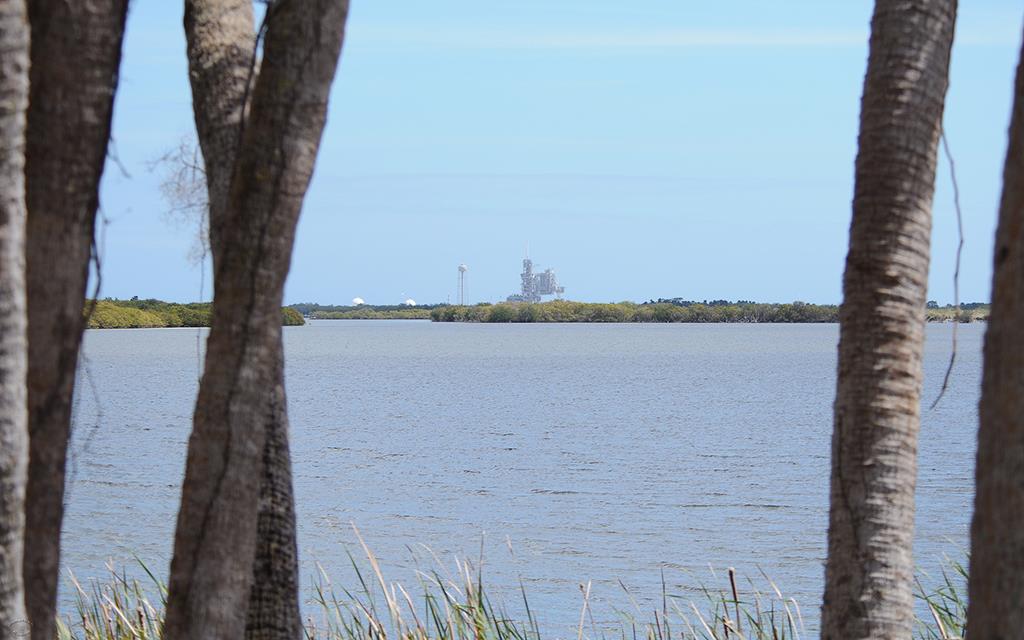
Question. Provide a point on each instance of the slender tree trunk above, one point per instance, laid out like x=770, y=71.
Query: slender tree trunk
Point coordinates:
x=221, y=45
x=869, y=572
x=274, y=597
x=996, y=584
x=216, y=539
x=14, y=46
x=76, y=53
x=221, y=40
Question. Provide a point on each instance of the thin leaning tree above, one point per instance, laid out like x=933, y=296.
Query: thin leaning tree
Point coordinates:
x=75, y=57
x=869, y=571
x=996, y=583
x=13, y=340
x=212, y=571
x=221, y=39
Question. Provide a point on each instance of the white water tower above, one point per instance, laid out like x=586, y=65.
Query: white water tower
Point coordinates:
x=462, y=284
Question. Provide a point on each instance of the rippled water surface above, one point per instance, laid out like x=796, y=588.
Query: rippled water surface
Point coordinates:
x=565, y=453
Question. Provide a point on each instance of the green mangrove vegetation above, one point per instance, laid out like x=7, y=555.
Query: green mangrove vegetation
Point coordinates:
x=969, y=312
x=144, y=314
x=364, y=311
x=659, y=311
x=672, y=310
x=149, y=313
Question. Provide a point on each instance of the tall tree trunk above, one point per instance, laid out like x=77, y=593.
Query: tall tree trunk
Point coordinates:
x=76, y=53
x=14, y=45
x=274, y=597
x=996, y=583
x=869, y=572
x=216, y=539
x=221, y=42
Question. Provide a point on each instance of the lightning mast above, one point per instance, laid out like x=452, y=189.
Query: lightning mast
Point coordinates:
x=462, y=284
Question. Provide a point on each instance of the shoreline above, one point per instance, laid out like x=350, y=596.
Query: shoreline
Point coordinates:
x=156, y=314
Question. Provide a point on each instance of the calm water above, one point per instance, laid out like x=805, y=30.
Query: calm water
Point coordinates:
x=567, y=453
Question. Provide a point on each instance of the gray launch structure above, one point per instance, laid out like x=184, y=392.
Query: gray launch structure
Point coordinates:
x=535, y=285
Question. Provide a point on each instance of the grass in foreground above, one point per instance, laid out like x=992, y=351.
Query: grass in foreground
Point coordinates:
x=456, y=606
x=946, y=604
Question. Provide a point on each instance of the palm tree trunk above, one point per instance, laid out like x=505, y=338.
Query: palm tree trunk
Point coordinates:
x=996, y=583
x=14, y=46
x=76, y=53
x=216, y=539
x=869, y=571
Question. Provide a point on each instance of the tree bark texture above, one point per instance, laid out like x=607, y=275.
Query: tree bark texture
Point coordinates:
x=221, y=40
x=274, y=597
x=220, y=70
x=14, y=52
x=869, y=571
x=216, y=538
x=996, y=583
x=76, y=54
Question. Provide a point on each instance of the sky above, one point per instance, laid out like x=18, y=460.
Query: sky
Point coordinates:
x=642, y=150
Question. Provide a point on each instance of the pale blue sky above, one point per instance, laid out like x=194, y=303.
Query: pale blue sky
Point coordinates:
x=655, y=148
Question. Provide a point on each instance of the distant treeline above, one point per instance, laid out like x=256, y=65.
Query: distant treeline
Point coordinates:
x=135, y=313
x=141, y=314
x=364, y=311
x=370, y=313
x=660, y=311
x=969, y=312
x=668, y=310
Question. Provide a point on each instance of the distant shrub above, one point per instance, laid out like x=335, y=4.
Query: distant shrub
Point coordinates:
x=108, y=315
x=502, y=313
x=291, y=318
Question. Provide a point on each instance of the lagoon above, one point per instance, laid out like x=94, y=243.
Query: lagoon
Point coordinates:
x=560, y=454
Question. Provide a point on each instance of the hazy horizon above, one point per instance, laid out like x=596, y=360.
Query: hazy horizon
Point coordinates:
x=701, y=152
